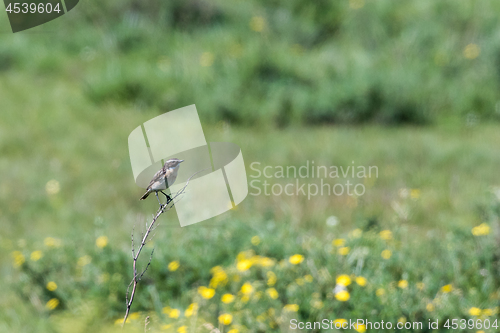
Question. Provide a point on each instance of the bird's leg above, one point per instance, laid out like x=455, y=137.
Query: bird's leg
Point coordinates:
x=156, y=193
x=167, y=196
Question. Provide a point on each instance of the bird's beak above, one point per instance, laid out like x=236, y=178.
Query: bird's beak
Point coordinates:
x=181, y=161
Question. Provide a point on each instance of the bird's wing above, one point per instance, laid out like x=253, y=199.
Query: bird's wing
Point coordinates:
x=158, y=176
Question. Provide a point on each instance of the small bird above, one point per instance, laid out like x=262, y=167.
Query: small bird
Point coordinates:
x=163, y=179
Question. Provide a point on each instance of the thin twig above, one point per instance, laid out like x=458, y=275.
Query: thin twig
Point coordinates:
x=147, y=266
x=132, y=236
x=144, y=236
x=135, y=278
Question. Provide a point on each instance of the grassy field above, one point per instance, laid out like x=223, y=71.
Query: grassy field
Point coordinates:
x=410, y=88
x=67, y=182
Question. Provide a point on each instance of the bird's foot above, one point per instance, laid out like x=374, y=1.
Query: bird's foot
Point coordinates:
x=169, y=198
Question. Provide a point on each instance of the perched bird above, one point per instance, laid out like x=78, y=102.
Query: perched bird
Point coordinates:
x=163, y=179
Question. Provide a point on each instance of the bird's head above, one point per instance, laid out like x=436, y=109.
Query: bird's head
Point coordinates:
x=173, y=163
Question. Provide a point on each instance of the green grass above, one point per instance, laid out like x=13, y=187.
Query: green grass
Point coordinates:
x=323, y=83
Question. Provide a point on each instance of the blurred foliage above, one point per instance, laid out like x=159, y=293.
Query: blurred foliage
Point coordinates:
x=280, y=62
x=73, y=89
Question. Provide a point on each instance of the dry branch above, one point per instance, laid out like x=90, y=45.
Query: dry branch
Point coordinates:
x=144, y=239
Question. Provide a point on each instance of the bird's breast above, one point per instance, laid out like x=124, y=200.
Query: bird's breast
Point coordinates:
x=159, y=185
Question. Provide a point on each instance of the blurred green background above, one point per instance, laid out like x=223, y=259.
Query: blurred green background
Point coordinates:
x=408, y=86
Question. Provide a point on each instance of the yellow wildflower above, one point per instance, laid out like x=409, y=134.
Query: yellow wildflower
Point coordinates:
x=488, y=312
x=36, y=255
x=83, y=261
x=361, y=281
x=272, y=293
x=246, y=288
x=338, y=242
x=271, y=278
x=360, y=328
x=244, y=265
x=101, y=241
x=174, y=313
x=308, y=278
x=300, y=281
x=386, y=254
x=234, y=330
x=385, y=234
x=18, y=258
x=415, y=193
x=225, y=319
x=339, y=323
x=52, y=304
x=317, y=304
x=52, y=242
x=481, y=230
x=380, y=292
x=291, y=308
x=192, y=308
x=219, y=277
x=227, y=298
x=472, y=51
x=343, y=251
x=356, y=233
x=343, y=280
x=296, y=259
x=245, y=255
x=474, y=311
x=430, y=307
x=173, y=265
x=51, y=286
x=447, y=288
x=134, y=315
x=266, y=262
x=256, y=260
x=182, y=329
x=403, y=284
x=342, y=295
x=206, y=293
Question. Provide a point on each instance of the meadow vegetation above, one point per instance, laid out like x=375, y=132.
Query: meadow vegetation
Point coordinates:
x=409, y=87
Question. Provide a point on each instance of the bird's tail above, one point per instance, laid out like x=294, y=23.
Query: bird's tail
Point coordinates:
x=145, y=195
